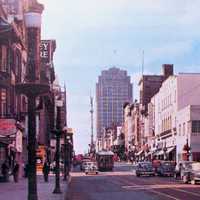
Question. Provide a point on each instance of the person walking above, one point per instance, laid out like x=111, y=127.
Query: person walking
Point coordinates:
x=45, y=171
x=5, y=171
x=26, y=169
x=16, y=172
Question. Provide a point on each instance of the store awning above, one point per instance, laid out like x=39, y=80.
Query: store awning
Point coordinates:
x=139, y=153
x=161, y=152
x=170, y=149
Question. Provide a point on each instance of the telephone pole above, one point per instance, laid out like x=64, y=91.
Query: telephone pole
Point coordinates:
x=92, y=126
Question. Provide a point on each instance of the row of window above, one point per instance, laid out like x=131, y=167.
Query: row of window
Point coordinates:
x=3, y=58
x=196, y=126
x=193, y=127
x=167, y=101
x=3, y=100
x=166, y=124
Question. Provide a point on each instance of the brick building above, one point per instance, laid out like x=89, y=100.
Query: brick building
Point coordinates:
x=13, y=58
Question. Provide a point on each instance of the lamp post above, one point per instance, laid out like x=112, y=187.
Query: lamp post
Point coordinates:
x=165, y=151
x=66, y=173
x=58, y=132
x=32, y=88
x=69, y=151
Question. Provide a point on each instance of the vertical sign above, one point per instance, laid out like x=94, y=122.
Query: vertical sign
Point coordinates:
x=45, y=51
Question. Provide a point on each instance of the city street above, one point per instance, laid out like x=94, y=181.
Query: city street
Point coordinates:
x=121, y=184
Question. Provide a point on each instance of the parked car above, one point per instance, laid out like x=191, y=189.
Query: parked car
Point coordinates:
x=53, y=166
x=91, y=168
x=166, y=168
x=191, y=173
x=181, y=165
x=144, y=168
x=84, y=163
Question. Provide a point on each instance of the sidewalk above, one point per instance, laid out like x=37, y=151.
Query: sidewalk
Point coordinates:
x=18, y=191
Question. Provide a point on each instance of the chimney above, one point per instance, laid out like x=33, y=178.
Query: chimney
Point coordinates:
x=168, y=70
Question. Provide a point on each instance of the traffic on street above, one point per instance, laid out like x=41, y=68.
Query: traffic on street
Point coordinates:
x=121, y=183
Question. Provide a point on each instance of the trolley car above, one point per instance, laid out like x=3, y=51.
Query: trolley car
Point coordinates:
x=105, y=160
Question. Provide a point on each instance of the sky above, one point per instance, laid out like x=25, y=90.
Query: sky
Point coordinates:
x=93, y=35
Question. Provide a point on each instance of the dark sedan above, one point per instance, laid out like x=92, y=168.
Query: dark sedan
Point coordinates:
x=144, y=168
x=166, y=168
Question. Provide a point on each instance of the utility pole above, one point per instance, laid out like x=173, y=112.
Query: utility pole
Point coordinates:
x=66, y=167
x=92, y=126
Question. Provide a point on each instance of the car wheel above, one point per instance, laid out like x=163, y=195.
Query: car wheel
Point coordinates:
x=185, y=180
x=137, y=175
x=193, y=182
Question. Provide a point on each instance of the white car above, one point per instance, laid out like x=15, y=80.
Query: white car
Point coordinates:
x=91, y=168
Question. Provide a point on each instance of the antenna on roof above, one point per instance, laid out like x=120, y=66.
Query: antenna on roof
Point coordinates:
x=142, y=62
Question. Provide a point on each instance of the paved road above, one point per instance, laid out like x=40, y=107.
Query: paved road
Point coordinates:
x=121, y=184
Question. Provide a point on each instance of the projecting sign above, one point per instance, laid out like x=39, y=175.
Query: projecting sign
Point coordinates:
x=45, y=51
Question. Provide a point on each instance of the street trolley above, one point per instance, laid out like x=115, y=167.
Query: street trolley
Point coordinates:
x=105, y=161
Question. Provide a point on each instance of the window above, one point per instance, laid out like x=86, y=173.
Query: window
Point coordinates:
x=183, y=129
x=3, y=98
x=3, y=58
x=179, y=131
x=196, y=126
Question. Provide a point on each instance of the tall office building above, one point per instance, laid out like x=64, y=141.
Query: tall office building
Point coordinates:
x=113, y=89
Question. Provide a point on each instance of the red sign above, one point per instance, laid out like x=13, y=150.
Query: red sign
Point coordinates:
x=7, y=126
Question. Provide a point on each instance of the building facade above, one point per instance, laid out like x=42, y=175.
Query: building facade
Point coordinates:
x=112, y=91
x=176, y=116
x=13, y=59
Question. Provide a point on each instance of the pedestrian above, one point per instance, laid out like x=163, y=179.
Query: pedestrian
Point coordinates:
x=45, y=171
x=16, y=172
x=26, y=170
x=5, y=171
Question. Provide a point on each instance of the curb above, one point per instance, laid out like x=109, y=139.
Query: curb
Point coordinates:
x=66, y=195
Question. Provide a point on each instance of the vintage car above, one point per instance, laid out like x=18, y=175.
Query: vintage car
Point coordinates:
x=166, y=168
x=53, y=166
x=84, y=164
x=144, y=168
x=91, y=168
x=191, y=173
x=181, y=166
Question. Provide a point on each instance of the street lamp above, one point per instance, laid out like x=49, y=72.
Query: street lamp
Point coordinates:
x=32, y=88
x=66, y=173
x=165, y=151
x=69, y=151
x=58, y=132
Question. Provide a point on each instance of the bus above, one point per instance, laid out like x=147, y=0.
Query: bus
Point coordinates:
x=105, y=160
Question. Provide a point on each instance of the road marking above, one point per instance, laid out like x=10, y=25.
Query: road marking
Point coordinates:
x=157, y=186
x=164, y=194
x=188, y=192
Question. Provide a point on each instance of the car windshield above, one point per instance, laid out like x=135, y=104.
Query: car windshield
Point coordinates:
x=146, y=165
x=167, y=165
